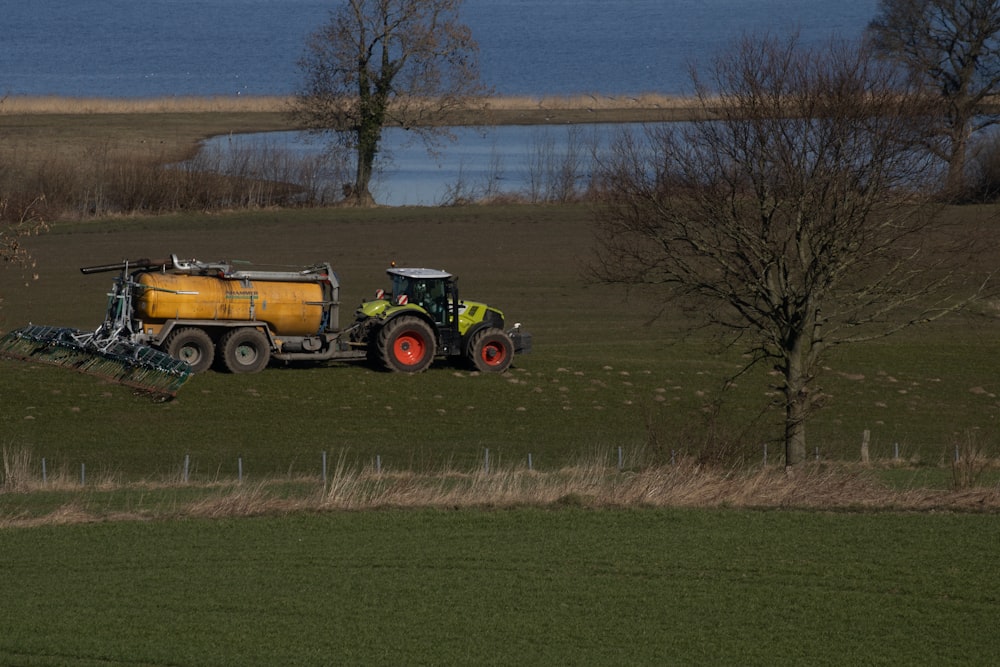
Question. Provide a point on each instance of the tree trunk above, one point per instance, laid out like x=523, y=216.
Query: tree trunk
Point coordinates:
x=795, y=432
x=362, y=195
x=369, y=135
x=956, y=161
x=796, y=406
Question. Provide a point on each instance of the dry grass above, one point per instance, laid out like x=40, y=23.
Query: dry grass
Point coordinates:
x=591, y=484
x=593, y=101
x=18, y=474
x=22, y=104
x=21, y=473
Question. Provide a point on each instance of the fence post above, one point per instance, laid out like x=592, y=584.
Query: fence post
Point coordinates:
x=324, y=468
x=83, y=474
x=865, y=438
x=239, y=468
x=45, y=474
x=621, y=459
x=486, y=462
x=187, y=467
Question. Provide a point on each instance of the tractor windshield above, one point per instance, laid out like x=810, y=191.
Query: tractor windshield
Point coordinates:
x=428, y=293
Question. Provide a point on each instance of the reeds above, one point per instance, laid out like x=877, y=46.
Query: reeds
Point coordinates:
x=107, y=182
x=24, y=104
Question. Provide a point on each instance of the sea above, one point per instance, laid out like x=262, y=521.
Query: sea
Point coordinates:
x=179, y=48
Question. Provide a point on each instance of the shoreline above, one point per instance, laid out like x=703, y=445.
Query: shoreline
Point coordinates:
x=494, y=110
x=40, y=130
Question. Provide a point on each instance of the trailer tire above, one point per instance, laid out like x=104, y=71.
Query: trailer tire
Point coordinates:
x=491, y=350
x=192, y=345
x=245, y=350
x=406, y=345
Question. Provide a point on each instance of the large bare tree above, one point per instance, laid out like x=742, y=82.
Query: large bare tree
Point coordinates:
x=952, y=47
x=385, y=62
x=791, y=219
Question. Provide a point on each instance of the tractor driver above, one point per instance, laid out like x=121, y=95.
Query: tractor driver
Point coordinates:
x=429, y=294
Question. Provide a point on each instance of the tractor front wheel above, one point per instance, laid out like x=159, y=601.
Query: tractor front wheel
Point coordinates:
x=406, y=345
x=491, y=350
x=192, y=345
x=245, y=350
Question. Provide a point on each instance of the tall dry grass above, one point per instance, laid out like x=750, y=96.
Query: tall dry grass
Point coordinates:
x=590, y=484
x=109, y=182
x=18, y=469
x=23, y=473
x=26, y=104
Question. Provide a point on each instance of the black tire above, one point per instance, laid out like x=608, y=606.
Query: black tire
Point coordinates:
x=491, y=350
x=192, y=345
x=406, y=345
x=245, y=350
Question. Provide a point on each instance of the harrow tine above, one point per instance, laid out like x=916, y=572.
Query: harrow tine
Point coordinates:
x=137, y=366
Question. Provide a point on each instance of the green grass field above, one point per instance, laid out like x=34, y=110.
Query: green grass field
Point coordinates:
x=605, y=373
x=560, y=584
x=524, y=587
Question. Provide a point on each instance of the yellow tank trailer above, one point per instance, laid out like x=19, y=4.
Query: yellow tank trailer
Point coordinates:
x=289, y=309
x=216, y=313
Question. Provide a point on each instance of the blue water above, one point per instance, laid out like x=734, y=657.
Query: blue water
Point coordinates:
x=514, y=160
x=152, y=48
x=147, y=48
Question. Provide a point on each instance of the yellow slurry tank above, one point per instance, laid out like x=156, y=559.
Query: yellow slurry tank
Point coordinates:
x=288, y=308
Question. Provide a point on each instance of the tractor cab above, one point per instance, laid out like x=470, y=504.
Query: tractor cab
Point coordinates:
x=434, y=291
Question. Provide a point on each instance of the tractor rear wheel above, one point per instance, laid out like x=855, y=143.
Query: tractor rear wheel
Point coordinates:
x=406, y=345
x=245, y=350
x=491, y=350
x=192, y=345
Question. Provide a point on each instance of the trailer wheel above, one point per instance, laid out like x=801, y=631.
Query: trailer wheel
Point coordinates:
x=491, y=350
x=192, y=345
x=406, y=345
x=245, y=350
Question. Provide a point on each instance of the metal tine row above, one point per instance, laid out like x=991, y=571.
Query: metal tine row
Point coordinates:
x=137, y=366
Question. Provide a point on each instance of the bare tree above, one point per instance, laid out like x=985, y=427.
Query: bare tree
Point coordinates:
x=952, y=47
x=790, y=220
x=385, y=62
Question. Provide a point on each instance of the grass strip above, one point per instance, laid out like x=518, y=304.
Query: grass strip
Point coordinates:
x=570, y=586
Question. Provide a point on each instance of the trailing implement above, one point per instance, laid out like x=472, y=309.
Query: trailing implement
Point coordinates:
x=115, y=359
x=167, y=319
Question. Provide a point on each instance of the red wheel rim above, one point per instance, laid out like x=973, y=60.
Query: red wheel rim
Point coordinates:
x=493, y=354
x=409, y=348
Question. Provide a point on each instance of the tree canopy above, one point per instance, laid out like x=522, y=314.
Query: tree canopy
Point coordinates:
x=379, y=63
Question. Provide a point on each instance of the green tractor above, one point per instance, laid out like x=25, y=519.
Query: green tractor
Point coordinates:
x=422, y=318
